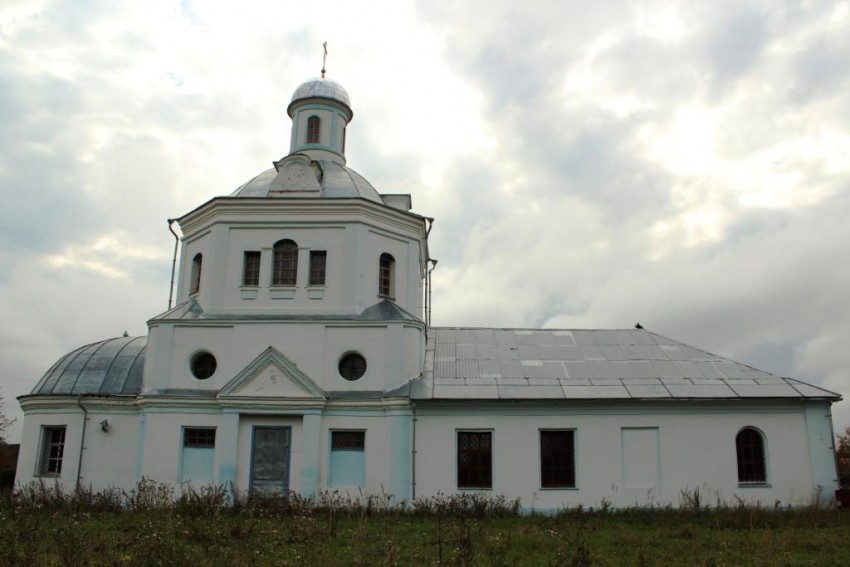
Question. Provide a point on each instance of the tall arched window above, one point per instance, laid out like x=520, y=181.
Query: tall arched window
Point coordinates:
x=285, y=268
x=386, y=275
x=749, y=445
x=195, y=283
x=314, y=125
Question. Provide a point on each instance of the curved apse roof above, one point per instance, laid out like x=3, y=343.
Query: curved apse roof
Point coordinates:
x=113, y=366
x=336, y=180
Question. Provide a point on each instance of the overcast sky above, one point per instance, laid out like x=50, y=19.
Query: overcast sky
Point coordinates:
x=589, y=164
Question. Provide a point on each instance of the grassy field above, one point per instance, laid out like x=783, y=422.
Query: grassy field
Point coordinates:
x=41, y=526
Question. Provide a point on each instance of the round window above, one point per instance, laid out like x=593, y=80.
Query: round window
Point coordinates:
x=352, y=366
x=203, y=365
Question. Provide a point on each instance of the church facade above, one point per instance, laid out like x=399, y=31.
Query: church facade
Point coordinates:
x=299, y=358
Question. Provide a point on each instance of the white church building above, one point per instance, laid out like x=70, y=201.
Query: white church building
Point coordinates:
x=299, y=358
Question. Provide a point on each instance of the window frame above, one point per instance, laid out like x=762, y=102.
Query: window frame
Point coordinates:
x=386, y=275
x=251, y=263
x=567, y=468
x=751, y=458
x=47, y=459
x=358, y=448
x=285, y=263
x=201, y=437
x=318, y=268
x=480, y=476
x=314, y=130
x=195, y=275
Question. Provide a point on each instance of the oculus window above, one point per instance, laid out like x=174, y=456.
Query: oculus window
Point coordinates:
x=203, y=365
x=251, y=268
x=557, y=459
x=749, y=445
x=352, y=366
x=285, y=269
x=474, y=459
x=52, y=451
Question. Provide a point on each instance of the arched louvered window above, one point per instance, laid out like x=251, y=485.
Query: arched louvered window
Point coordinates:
x=314, y=125
x=195, y=283
x=749, y=445
x=285, y=268
x=386, y=275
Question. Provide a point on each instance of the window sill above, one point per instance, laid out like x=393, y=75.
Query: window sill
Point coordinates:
x=317, y=292
x=282, y=293
x=476, y=488
x=390, y=297
x=555, y=488
x=754, y=485
x=249, y=292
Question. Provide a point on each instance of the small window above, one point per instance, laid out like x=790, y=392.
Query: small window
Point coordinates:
x=557, y=459
x=52, y=449
x=318, y=260
x=195, y=286
x=386, y=275
x=203, y=365
x=352, y=366
x=347, y=459
x=199, y=437
x=751, y=456
x=474, y=459
x=285, y=263
x=251, y=269
x=314, y=126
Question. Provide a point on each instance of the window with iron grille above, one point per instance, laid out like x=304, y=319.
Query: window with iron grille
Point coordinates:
x=199, y=437
x=251, y=269
x=557, y=459
x=285, y=269
x=348, y=440
x=314, y=125
x=318, y=260
x=386, y=268
x=474, y=459
x=52, y=449
x=195, y=285
x=749, y=444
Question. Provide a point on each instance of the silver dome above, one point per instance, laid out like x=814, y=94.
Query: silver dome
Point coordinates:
x=337, y=182
x=113, y=366
x=322, y=88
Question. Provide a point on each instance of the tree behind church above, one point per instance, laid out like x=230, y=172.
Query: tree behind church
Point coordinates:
x=843, y=457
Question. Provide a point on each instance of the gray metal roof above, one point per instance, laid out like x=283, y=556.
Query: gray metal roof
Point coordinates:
x=336, y=181
x=113, y=366
x=321, y=88
x=475, y=363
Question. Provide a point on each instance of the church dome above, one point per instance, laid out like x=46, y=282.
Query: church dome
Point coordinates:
x=320, y=88
x=113, y=366
x=335, y=180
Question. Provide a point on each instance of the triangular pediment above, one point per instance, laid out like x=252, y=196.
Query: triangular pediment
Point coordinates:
x=272, y=375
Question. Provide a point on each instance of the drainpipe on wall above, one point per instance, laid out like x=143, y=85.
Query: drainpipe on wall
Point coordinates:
x=413, y=455
x=82, y=439
x=173, y=262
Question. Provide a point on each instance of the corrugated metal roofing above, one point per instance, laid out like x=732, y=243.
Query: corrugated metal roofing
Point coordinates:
x=113, y=366
x=480, y=363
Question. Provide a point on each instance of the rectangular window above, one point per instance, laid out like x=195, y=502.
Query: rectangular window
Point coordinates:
x=557, y=459
x=199, y=437
x=474, y=459
x=318, y=260
x=347, y=459
x=251, y=270
x=52, y=449
x=197, y=458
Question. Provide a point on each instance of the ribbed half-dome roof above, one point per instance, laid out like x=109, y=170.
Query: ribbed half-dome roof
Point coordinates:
x=322, y=88
x=113, y=366
x=336, y=180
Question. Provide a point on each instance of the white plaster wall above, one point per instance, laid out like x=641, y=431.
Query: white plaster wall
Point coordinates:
x=377, y=451
x=109, y=458
x=30, y=451
x=697, y=451
x=162, y=441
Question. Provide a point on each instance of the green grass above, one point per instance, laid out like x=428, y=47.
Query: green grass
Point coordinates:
x=150, y=527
